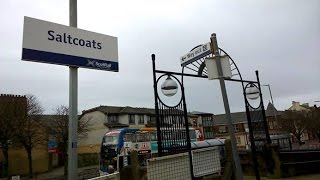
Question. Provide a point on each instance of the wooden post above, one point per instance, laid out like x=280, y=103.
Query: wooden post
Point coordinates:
x=135, y=166
x=50, y=162
x=229, y=168
x=277, y=173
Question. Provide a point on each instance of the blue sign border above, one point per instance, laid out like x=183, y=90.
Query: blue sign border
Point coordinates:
x=63, y=59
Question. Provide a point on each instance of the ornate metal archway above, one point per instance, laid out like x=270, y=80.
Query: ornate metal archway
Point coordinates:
x=256, y=117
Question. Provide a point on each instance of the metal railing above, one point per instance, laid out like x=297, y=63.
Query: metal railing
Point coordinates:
x=113, y=176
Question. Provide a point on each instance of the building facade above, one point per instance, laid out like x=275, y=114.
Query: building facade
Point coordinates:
x=103, y=119
x=296, y=106
x=240, y=126
x=204, y=121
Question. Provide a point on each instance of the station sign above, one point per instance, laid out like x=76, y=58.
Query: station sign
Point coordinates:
x=53, y=43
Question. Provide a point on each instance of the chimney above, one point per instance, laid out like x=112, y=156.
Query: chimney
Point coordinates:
x=305, y=104
x=295, y=104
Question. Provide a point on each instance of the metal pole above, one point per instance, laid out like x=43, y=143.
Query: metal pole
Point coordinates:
x=270, y=93
x=215, y=49
x=263, y=111
x=159, y=140
x=274, y=111
x=73, y=105
x=253, y=145
x=187, y=132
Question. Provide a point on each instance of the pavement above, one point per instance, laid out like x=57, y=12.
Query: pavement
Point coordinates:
x=57, y=173
x=302, y=177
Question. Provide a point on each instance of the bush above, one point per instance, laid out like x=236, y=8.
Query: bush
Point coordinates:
x=88, y=159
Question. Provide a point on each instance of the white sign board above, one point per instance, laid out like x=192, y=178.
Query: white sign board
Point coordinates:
x=195, y=54
x=58, y=44
x=211, y=64
x=15, y=178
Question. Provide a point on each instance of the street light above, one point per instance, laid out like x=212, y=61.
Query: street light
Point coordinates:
x=274, y=111
x=252, y=92
x=169, y=87
x=269, y=92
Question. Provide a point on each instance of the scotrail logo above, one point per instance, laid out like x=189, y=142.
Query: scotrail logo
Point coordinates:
x=91, y=63
x=94, y=63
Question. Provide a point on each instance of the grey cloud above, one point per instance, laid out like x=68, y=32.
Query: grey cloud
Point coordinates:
x=280, y=39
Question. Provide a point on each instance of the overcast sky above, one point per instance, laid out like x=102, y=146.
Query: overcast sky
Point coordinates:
x=281, y=39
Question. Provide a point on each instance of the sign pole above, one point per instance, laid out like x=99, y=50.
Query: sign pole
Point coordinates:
x=53, y=43
x=237, y=164
x=73, y=105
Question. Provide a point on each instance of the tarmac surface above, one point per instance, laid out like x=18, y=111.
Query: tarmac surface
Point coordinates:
x=302, y=177
x=57, y=174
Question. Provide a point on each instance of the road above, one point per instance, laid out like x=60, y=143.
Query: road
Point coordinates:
x=304, y=177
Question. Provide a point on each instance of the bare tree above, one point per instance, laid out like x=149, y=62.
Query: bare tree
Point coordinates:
x=295, y=122
x=314, y=126
x=29, y=131
x=12, y=108
x=59, y=127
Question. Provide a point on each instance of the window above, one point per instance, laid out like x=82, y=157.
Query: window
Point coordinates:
x=270, y=125
x=141, y=137
x=153, y=118
x=141, y=119
x=246, y=128
x=222, y=129
x=238, y=140
x=236, y=128
x=208, y=133
x=127, y=137
x=112, y=119
x=207, y=121
x=153, y=136
x=275, y=124
x=192, y=134
x=131, y=119
x=111, y=139
x=194, y=123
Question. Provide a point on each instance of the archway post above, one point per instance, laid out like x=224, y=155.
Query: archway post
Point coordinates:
x=215, y=52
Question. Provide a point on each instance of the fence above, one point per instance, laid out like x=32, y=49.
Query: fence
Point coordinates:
x=297, y=162
x=206, y=161
x=113, y=176
x=88, y=159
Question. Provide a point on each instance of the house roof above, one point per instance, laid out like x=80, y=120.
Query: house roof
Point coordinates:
x=241, y=117
x=271, y=110
x=136, y=110
x=201, y=113
x=237, y=117
x=120, y=110
x=115, y=125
